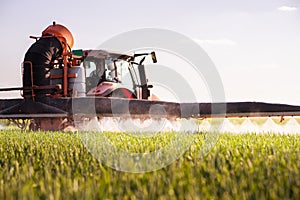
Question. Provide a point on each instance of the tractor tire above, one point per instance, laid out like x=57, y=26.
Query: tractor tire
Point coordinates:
x=122, y=93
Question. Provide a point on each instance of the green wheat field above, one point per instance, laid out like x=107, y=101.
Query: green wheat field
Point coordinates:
x=56, y=165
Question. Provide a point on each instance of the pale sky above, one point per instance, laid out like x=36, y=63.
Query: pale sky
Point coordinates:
x=254, y=44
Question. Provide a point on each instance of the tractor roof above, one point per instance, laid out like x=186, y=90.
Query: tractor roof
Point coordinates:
x=104, y=54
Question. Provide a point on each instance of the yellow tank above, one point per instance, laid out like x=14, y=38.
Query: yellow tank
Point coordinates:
x=61, y=32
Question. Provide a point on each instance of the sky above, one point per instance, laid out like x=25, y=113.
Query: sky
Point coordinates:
x=254, y=44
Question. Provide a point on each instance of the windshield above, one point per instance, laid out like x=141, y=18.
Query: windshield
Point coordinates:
x=99, y=70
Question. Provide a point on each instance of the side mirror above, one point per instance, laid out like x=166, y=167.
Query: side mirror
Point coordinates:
x=153, y=56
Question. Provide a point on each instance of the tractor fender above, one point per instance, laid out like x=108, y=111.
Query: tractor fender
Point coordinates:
x=103, y=89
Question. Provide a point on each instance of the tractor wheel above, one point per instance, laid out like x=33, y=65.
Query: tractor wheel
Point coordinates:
x=122, y=93
x=52, y=124
x=33, y=126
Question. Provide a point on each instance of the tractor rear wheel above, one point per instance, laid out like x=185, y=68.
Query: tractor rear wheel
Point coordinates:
x=122, y=93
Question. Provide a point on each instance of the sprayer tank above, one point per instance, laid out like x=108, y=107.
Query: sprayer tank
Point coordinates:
x=77, y=83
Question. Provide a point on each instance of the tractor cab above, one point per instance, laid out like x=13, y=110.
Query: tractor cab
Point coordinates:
x=111, y=74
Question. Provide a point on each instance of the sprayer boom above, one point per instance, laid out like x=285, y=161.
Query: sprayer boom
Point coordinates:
x=119, y=107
